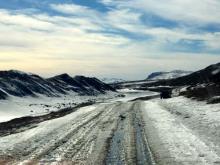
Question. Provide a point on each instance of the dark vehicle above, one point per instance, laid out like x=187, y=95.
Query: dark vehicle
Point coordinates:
x=165, y=94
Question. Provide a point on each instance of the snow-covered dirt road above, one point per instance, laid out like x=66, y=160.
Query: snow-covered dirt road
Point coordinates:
x=129, y=132
x=105, y=133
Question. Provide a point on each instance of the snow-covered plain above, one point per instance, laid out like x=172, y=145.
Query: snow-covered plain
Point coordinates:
x=16, y=107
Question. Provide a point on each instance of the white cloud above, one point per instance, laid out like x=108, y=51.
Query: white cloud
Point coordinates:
x=196, y=11
x=23, y=20
x=126, y=17
x=73, y=9
x=65, y=43
x=189, y=11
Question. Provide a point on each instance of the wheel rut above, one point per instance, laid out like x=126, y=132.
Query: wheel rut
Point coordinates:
x=128, y=144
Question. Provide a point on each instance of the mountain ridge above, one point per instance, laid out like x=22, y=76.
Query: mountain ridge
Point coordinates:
x=203, y=84
x=20, y=84
x=167, y=75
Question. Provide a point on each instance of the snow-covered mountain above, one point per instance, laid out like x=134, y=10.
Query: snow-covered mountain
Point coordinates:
x=167, y=75
x=112, y=80
x=80, y=84
x=203, y=84
x=17, y=83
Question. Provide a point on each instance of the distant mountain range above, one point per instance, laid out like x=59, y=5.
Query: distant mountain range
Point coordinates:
x=167, y=75
x=112, y=80
x=202, y=84
x=210, y=74
x=17, y=83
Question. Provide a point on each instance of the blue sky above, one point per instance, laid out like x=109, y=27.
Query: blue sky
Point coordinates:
x=108, y=38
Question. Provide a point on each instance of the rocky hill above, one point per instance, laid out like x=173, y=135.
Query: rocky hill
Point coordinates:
x=20, y=84
x=202, y=84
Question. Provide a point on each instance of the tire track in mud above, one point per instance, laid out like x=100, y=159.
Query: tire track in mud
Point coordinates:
x=84, y=127
x=64, y=139
x=78, y=150
x=100, y=156
x=129, y=144
x=143, y=153
x=98, y=131
x=120, y=147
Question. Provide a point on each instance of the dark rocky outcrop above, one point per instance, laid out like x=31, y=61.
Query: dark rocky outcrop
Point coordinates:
x=21, y=84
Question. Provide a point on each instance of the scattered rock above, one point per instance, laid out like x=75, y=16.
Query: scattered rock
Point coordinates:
x=122, y=117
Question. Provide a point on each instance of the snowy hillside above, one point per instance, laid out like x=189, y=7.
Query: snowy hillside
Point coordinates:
x=202, y=85
x=20, y=84
x=80, y=84
x=167, y=75
x=24, y=94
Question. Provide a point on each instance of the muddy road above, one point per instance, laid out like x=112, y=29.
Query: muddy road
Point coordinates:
x=107, y=133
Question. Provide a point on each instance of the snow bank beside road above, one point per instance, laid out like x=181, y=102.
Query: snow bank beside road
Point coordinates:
x=171, y=141
x=203, y=119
